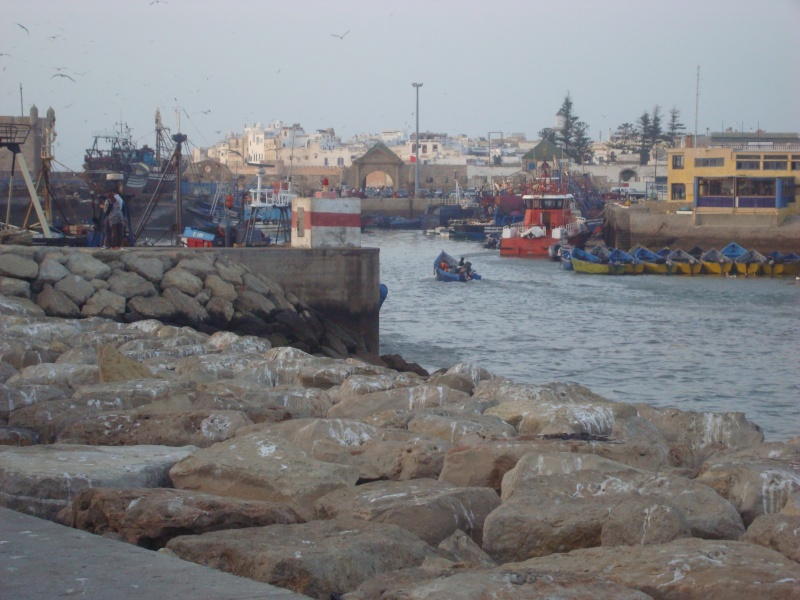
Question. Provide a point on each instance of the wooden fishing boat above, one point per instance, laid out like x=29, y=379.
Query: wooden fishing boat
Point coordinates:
x=733, y=250
x=653, y=263
x=452, y=272
x=749, y=263
x=774, y=265
x=631, y=265
x=716, y=263
x=791, y=264
x=583, y=262
x=686, y=264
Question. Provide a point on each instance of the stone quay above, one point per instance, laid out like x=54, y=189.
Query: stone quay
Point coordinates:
x=182, y=404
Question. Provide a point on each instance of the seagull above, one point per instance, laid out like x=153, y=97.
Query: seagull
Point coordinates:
x=52, y=37
x=341, y=37
x=25, y=28
x=205, y=112
x=63, y=75
x=158, y=2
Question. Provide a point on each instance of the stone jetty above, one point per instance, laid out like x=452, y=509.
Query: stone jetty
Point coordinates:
x=184, y=405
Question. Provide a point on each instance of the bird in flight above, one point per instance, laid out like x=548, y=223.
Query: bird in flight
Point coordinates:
x=205, y=112
x=25, y=28
x=4, y=54
x=341, y=37
x=52, y=37
x=158, y=2
x=63, y=75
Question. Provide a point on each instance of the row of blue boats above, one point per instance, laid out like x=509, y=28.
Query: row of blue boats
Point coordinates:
x=733, y=259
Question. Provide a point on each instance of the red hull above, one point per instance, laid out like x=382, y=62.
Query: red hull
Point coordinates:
x=518, y=246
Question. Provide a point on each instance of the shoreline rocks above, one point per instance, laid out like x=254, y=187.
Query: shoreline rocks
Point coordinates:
x=332, y=475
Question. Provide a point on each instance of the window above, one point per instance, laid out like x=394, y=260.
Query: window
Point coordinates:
x=677, y=161
x=435, y=147
x=340, y=162
x=748, y=162
x=326, y=161
x=678, y=191
x=776, y=163
x=709, y=162
x=715, y=187
x=755, y=187
x=424, y=148
x=795, y=162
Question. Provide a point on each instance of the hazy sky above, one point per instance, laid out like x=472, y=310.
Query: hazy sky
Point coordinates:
x=486, y=66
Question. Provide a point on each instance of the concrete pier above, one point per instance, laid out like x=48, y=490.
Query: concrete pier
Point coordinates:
x=42, y=559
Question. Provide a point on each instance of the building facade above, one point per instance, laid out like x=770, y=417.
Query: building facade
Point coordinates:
x=740, y=179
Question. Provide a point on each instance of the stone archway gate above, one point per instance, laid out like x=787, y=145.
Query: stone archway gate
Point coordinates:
x=379, y=158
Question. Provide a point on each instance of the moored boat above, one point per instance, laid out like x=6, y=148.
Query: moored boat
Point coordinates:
x=446, y=268
x=716, y=263
x=791, y=264
x=749, y=263
x=584, y=262
x=774, y=265
x=653, y=263
x=733, y=250
x=551, y=215
x=686, y=264
x=631, y=265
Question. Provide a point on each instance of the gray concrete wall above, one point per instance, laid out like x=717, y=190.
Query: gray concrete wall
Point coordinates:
x=626, y=227
x=341, y=283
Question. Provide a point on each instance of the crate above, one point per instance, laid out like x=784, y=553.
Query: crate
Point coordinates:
x=200, y=235
x=198, y=243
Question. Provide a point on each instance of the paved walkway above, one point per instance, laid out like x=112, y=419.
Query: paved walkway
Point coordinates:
x=43, y=560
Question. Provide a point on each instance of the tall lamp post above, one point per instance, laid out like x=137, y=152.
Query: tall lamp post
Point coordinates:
x=416, y=143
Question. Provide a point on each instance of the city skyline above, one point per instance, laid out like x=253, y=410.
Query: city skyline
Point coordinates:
x=486, y=67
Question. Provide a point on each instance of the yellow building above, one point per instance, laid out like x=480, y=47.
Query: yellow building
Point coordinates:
x=737, y=179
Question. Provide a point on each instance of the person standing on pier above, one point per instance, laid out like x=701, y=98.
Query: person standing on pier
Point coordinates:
x=116, y=219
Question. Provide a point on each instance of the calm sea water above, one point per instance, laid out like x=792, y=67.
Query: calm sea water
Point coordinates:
x=695, y=343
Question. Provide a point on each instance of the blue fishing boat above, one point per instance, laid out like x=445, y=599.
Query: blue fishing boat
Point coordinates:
x=733, y=251
x=447, y=268
x=654, y=264
x=566, y=260
x=631, y=265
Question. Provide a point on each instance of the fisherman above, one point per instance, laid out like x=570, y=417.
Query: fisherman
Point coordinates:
x=116, y=220
x=106, y=226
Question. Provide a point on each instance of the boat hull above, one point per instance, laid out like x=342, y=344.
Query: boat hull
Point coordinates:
x=717, y=268
x=773, y=270
x=652, y=268
x=519, y=246
x=748, y=268
x=685, y=268
x=633, y=268
x=593, y=268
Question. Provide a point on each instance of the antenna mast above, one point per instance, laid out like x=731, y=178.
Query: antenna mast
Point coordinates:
x=696, y=105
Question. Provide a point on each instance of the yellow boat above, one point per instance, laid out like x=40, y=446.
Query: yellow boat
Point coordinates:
x=584, y=266
x=686, y=263
x=716, y=263
x=654, y=264
x=771, y=269
x=791, y=268
x=749, y=263
x=636, y=268
x=747, y=269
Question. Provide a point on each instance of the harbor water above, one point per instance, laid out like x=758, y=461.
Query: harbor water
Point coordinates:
x=700, y=343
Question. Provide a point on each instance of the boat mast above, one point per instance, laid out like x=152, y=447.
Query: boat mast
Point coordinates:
x=159, y=133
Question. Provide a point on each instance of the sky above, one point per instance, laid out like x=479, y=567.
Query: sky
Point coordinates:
x=499, y=66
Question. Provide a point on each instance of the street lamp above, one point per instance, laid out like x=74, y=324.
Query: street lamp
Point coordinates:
x=416, y=140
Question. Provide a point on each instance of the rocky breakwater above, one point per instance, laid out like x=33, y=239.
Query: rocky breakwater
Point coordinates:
x=334, y=477
x=206, y=291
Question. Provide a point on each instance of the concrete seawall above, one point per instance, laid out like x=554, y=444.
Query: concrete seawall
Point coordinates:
x=341, y=283
x=627, y=226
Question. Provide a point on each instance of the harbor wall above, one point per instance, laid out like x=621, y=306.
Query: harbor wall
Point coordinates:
x=657, y=226
x=341, y=283
x=408, y=208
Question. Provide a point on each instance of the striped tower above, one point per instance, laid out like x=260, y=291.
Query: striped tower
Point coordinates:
x=330, y=222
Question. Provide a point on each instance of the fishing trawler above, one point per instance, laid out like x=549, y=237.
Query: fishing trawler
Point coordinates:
x=115, y=163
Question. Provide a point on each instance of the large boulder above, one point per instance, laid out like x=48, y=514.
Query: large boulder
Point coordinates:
x=757, y=481
x=318, y=559
x=262, y=404
x=200, y=428
x=115, y=366
x=129, y=284
x=261, y=467
x=188, y=310
x=18, y=267
x=42, y=480
x=87, y=266
x=414, y=398
x=151, y=268
x=377, y=453
x=690, y=569
x=15, y=287
x=182, y=280
x=431, y=509
x=462, y=430
x=152, y=307
x=22, y=307
x=560, y=513
x=76, y=288
x=56, y=304
x=781, y=532
x=104, y=303
x=150, y=517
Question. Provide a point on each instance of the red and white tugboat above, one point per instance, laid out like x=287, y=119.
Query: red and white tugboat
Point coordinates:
x=551, y=217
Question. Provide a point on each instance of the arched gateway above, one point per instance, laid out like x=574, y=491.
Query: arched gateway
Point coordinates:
x=378, y=158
